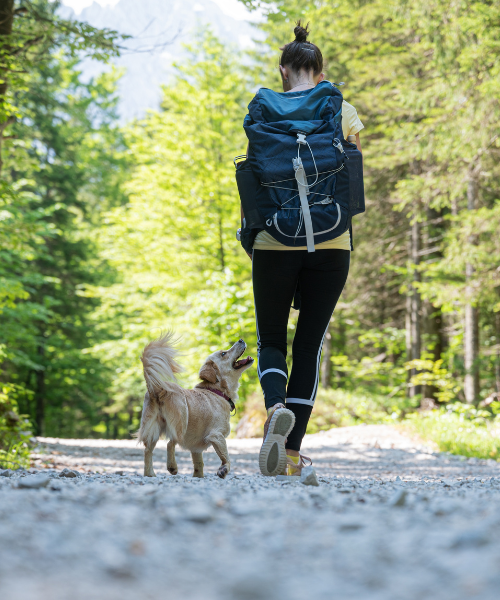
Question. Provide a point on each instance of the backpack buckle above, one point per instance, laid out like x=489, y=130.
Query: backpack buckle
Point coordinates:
x=300, y=174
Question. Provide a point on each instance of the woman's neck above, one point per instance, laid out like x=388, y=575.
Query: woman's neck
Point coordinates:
x=298, y=82
x=302, y=86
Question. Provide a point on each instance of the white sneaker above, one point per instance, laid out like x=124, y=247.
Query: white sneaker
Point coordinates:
x=272, y=457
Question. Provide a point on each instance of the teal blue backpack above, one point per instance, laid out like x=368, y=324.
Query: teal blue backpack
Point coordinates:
x=301, y=181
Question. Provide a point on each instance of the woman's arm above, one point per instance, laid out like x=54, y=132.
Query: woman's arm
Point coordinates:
x=358, y=143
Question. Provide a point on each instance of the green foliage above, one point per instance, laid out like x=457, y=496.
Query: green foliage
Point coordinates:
x=333, y=408
x=14, y=430
x=172, y=246
x=36, y=30
x=60, y=157
x=47, y=329
x=431, y=373
x=424, y=79
x=341, y=408
x=109, y=235
x=460, y=429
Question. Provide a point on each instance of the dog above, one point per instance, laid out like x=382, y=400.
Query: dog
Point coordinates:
x=197, y=418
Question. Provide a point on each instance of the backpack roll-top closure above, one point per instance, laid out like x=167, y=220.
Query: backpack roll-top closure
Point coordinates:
x=320, y=103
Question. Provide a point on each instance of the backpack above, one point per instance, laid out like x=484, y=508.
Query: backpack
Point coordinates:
x=301, y=181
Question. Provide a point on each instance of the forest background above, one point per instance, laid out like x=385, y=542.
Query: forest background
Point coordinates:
x=111, y=233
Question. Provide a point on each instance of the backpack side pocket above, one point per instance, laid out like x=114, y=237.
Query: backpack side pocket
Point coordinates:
x=247, y=238
x=354, y=164
x=249, y=188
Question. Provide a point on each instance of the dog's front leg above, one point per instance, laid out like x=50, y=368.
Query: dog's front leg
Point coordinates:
x=171, y=462
x=219, y=443
x=197, y=464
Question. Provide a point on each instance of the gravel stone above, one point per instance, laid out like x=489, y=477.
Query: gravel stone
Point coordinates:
x=308, y=476
x=33, y=482
x=68, y=473
x=473, y=538
x=199, y=513
x=106, y=536
x=398, y=498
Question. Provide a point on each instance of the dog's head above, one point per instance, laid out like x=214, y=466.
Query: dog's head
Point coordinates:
x=223, y=369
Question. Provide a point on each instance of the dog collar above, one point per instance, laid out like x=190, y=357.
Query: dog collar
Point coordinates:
x=219, y=393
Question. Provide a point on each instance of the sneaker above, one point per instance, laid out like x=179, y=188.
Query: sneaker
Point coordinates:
x=294, y=468
x=272, y=457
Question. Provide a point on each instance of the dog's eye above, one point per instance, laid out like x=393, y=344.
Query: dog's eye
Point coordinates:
x=223, y=354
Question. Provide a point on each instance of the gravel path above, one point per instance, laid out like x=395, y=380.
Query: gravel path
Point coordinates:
x=390, y=520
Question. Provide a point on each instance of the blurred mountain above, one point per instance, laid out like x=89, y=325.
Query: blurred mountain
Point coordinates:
x=159, y=29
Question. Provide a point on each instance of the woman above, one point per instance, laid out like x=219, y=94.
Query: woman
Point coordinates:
x=276, y=272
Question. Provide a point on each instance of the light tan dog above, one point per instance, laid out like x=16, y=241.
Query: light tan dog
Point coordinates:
x=194, y=419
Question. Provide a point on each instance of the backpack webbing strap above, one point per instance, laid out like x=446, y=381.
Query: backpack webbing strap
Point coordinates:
x=300, y=176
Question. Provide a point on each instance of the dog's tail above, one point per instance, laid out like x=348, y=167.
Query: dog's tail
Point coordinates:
x=159, y=364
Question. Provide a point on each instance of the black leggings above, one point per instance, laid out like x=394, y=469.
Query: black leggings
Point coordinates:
x=276, y=273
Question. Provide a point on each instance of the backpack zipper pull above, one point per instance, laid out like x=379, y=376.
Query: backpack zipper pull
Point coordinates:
x=339, y=147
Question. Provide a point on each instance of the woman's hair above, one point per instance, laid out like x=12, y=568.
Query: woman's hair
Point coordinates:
x=301, y=54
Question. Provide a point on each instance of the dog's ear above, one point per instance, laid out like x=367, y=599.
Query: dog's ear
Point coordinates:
x=209, y=372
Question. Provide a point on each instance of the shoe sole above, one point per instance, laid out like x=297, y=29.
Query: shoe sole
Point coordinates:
x=272, y=457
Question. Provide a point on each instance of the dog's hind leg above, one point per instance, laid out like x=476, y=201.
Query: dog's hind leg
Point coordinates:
x=171, y=462
x=149, y=432
x=148, y=460
x=197, y=464
x=218, y=441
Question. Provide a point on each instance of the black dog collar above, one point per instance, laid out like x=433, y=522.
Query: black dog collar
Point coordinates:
x=219, y=393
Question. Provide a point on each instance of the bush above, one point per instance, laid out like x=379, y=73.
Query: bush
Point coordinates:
x=340, y=408
x=459, y=429
x=14, y=430
x=333, y=408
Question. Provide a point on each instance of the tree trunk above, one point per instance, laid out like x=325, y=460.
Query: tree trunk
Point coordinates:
x=107, y=424
x=6, y=20
x=326, y=365
x=221, y=245
x=408, y=323
x=497, y=362
x=432, y=315
x=471, y=331
x=40, y=396
x=415, y=303
x=471, y=343
x=115, y=426
x=432, y=318
x=341, y=346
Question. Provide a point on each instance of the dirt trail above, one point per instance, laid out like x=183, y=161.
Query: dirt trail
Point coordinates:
x=390, y=520
x=362, y=451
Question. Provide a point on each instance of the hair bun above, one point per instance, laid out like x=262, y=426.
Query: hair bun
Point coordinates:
x=301, y=33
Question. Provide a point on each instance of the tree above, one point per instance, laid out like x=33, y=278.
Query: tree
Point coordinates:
x=29, y=32
x=45, y=258
x=173, y=245
x=424, y=78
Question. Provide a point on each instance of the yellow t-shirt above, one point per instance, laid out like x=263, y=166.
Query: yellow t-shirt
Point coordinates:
x=351, y=125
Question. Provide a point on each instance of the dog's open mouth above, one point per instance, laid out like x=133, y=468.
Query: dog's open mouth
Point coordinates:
x=239, y=364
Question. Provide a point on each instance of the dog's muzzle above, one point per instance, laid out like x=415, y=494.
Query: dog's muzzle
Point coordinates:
x=239, y=364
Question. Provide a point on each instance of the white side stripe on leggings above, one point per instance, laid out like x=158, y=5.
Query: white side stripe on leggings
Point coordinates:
x=310, y=402
x=299, y=401
x=318, y=362
x=257, y=328
x=273, y=371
